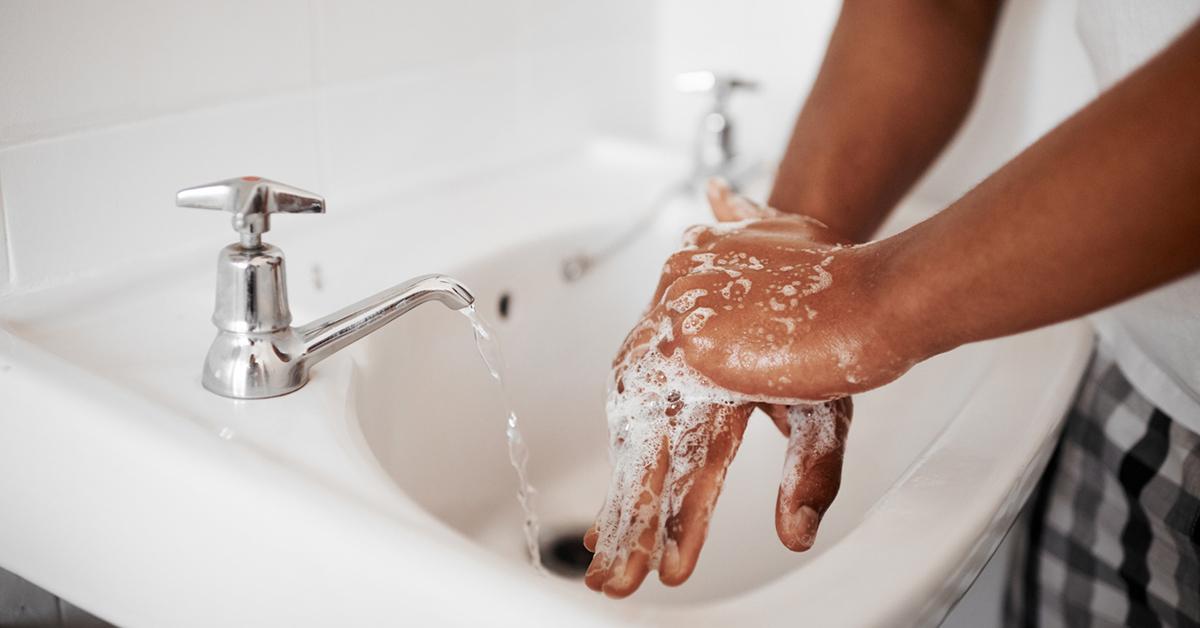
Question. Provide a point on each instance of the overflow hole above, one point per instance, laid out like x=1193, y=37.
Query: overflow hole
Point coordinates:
x=503, y=305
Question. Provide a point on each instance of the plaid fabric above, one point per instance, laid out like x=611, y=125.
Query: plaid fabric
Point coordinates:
x=1112, y=535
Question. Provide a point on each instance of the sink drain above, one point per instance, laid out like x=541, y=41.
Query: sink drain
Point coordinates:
x=563, y=553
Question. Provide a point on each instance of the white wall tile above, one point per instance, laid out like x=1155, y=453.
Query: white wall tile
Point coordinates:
x=110, y=108
x=391, y=133
x=777, y=43
x=381, y=135
x=73, y=65
x=359, y=39
x=91, y=201
x=555, y=23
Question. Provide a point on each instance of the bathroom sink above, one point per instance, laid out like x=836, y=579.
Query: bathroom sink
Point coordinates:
x=381, y=493
x=938, y=463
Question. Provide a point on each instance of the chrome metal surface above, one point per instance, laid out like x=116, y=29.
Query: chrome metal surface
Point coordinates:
x=257, y=352
x=251, y=200
x=715, y=149
x=328, y=335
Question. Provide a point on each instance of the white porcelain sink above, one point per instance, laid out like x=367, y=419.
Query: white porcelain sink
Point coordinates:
x=943, y=456
x=381, y=493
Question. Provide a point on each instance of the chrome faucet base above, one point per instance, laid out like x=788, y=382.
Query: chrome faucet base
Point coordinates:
x=257, y=353
x=255, y=366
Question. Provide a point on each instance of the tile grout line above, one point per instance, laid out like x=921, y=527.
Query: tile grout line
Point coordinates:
x=316, y=81
x=10, y=275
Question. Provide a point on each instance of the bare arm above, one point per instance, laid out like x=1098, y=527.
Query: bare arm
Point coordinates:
x=897, y=81
x=1104, y=207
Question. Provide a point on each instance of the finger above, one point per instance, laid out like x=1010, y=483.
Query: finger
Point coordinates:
x=698, y=236
x=812, y=471
x=728, y=207
x=635, y=342
x=605, y=528
x=779, y=416
x=628, y=532
x=589, y=539
x=680, y=263
x=696, y=480
x=719, y=194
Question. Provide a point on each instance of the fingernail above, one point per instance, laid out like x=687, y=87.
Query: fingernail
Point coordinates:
x=800, y=528
x=669, y=563
x=716, y=185
x=594, y=578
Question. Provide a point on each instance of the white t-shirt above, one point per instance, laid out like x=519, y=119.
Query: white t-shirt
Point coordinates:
x=1154, y=337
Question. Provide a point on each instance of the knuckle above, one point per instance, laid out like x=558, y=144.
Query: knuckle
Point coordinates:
x=697, y=235
x=679, y=262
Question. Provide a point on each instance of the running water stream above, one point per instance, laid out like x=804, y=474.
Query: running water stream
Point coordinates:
x=518, y=451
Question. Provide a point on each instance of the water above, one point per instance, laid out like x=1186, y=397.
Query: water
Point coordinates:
x=518, y=451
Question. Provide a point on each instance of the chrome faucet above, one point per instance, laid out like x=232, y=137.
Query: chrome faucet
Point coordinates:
x=716, y=154
x=257, y=352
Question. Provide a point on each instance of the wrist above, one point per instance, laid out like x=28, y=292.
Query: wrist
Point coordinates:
x=907, y=317
x=849, y=217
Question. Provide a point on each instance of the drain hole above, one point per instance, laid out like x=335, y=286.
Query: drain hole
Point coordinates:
x=503, y=305
x=564, y=554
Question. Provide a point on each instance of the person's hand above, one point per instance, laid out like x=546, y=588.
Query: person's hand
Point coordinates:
x=732, y=309
x=778, y=306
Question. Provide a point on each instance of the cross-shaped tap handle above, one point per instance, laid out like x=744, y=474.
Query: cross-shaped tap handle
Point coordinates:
x=251, y=200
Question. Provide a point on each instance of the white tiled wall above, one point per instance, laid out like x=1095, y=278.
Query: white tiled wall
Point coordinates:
x=70, y=66
x=777, y=43
x=109, y=107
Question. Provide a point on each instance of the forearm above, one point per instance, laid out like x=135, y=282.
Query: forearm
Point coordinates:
x=1104, y=207
x=897, y=81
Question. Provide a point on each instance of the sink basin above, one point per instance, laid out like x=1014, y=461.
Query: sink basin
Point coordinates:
x=937, y=464
x=381, y=493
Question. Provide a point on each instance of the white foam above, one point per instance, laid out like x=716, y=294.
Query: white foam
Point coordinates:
x=654, y=401
x=788, y=322
x=706, y=262
x=813, y=434
x=659, y=400
x=819, y=280
x=686, y=301
x=695, y=320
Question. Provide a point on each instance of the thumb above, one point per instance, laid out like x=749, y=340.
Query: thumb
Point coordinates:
x=730, y=207
x=812, y=471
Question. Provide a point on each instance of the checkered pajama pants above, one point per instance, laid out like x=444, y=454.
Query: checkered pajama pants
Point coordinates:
x=1112, y=535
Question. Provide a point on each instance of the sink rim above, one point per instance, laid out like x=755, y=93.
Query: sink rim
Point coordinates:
x=1071, y=343
x=34, y=388
x=1062, y=352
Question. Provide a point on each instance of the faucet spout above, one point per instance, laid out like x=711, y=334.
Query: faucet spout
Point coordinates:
x=330, y=334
